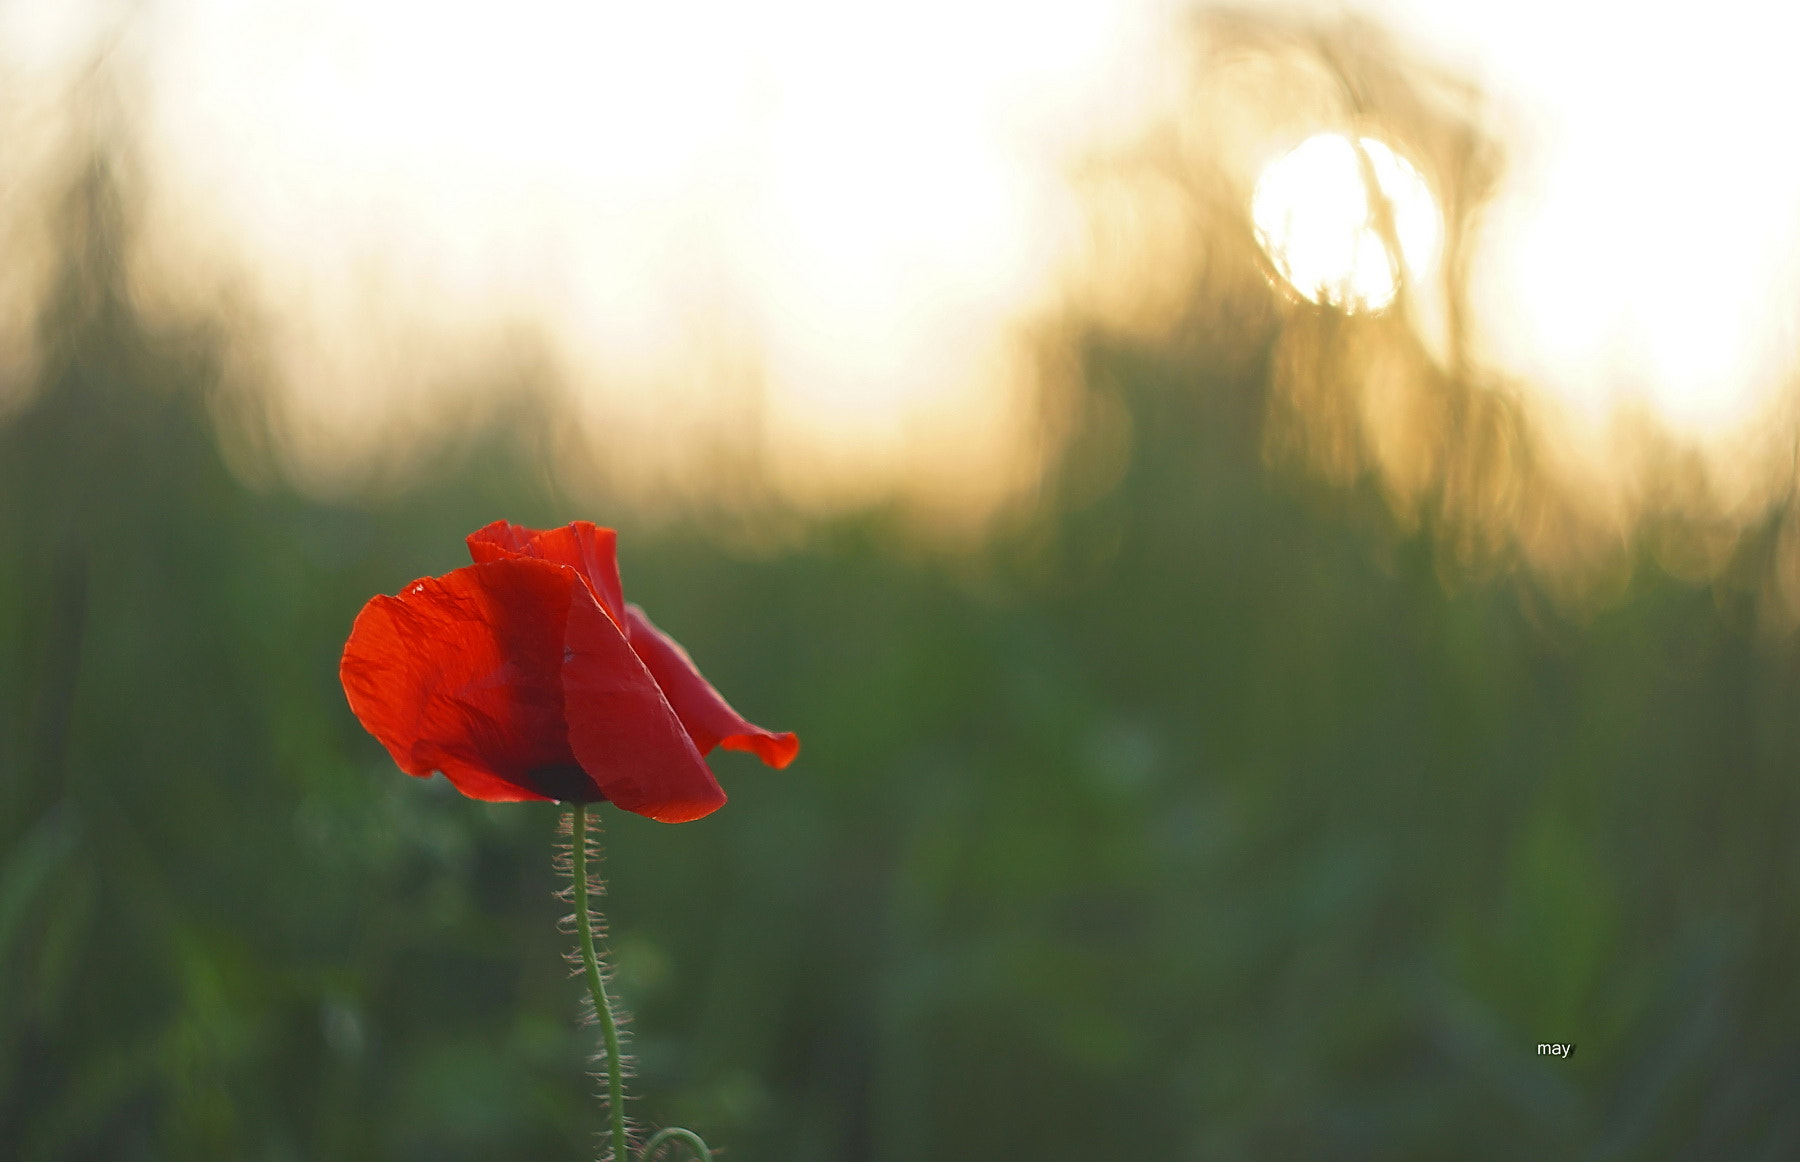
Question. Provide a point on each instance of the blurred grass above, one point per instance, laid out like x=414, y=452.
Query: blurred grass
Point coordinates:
x=1193, y=816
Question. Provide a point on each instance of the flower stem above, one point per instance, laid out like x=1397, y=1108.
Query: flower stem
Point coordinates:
x=609, y=1028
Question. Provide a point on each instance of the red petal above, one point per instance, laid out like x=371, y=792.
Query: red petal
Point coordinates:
x=585, y=547
x=503, y=534
x=623, y=730
x=709, y=719
x=463, y=674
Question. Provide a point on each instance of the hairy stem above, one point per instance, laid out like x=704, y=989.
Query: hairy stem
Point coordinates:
x=609, y=1028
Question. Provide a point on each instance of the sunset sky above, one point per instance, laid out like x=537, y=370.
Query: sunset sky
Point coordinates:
x=833, y=233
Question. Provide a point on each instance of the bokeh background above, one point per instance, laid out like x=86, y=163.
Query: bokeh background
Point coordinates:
x=1235, y=727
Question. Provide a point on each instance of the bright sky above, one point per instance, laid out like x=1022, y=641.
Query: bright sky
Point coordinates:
x=825, y=229
x=839, y=210
x=1647, y=243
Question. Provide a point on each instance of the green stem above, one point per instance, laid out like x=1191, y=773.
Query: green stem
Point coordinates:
x=609, y=1028
x=675, y=1134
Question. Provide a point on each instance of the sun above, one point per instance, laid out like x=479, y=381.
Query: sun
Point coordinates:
x=1324, y=234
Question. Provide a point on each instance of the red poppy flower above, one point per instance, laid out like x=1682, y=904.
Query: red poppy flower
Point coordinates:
x=526, y=676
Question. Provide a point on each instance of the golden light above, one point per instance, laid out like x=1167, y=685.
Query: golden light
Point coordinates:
x=1324, y=233
x=1642, y=252
x=794, y=234
x=818, y=242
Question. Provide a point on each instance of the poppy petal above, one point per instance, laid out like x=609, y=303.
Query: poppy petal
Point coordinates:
x=463, y=674
x=709, y=719
x=623, y=731
x=502, y=534
x=584, y=546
